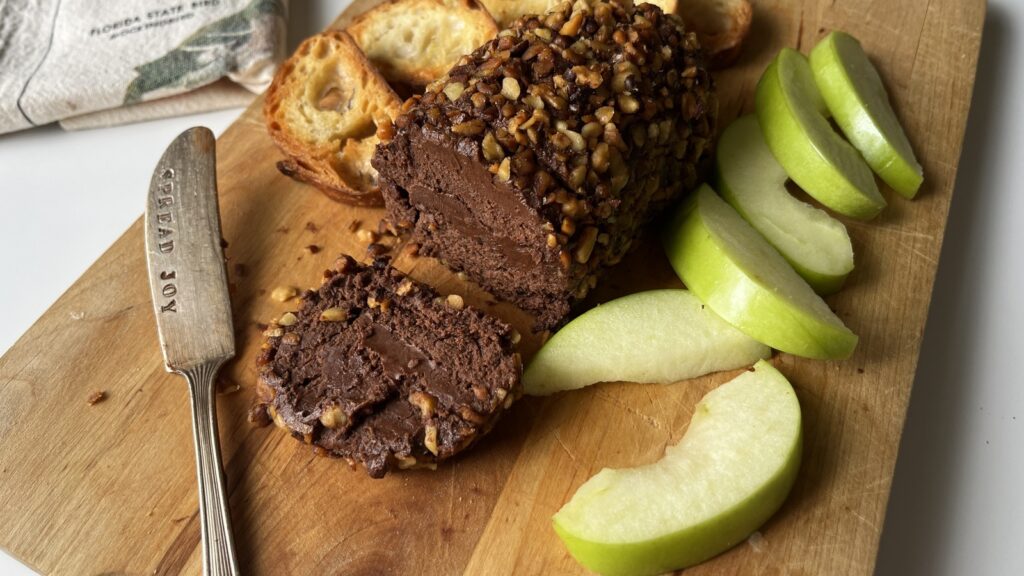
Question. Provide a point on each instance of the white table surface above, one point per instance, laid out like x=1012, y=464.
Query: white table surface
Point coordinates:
x=957, y=505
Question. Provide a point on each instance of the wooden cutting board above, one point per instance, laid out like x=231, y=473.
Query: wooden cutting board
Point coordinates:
x=110, y=488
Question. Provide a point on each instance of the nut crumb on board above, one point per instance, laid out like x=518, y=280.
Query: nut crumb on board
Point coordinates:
x=756, y=541
x=258, y=416
x=284, y=293
x=312, y=227
x=367, y=236
x=96, y=397
x=312, y=248
x=227, y=386
x=386, y=228
x=376, y=249
x=354, y=225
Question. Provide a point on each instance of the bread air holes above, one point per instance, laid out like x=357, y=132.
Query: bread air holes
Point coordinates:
x=321, y=50
x=408, y=48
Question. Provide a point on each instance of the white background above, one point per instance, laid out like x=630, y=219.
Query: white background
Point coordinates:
x=957, y=505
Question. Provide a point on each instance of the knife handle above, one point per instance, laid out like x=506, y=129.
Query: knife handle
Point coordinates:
x=218, y=544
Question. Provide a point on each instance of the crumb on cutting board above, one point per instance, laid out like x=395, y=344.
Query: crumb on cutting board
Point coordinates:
x=258, y=415
x=376, y=249
x=284, y=293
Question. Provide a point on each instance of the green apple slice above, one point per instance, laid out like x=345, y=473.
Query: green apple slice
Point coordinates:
x=658, y=337
x=792, y=116
x=729, y=473
x=855, y=95
x=733, y=269
x=753, y=182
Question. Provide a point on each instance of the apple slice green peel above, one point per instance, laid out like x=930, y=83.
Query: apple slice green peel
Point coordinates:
x=792, y=116
x=658, y=337
x=733, y=269
x=729, y=473
x=752, y=181
x=855, y=95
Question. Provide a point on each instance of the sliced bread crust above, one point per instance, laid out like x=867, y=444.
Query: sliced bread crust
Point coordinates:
x=721, y=25
x=414, y=42
x=327, y=109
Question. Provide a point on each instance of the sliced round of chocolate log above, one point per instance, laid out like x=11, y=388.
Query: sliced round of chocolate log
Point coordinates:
x=382, y=371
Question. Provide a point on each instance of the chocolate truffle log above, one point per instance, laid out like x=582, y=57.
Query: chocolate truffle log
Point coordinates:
x=534, y=164
x=380, y=370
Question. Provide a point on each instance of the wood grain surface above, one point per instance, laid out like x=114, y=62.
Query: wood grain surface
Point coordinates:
x=110, y=488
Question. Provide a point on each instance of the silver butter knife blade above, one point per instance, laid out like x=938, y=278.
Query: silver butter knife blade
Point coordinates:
x=193, y=314
x=186, y=260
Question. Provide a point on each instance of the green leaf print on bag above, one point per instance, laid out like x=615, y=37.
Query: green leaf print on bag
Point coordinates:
x=204, y=57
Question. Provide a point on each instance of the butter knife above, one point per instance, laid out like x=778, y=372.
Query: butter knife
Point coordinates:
x=193, y=313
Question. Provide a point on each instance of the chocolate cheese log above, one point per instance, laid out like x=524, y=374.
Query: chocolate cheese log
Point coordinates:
x=378, y=369
x=535, y=163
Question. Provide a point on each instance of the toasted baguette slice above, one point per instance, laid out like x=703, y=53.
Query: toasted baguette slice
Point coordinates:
x=721, y=25
x=325, y=110
x=414, y=42
x=506, y=11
